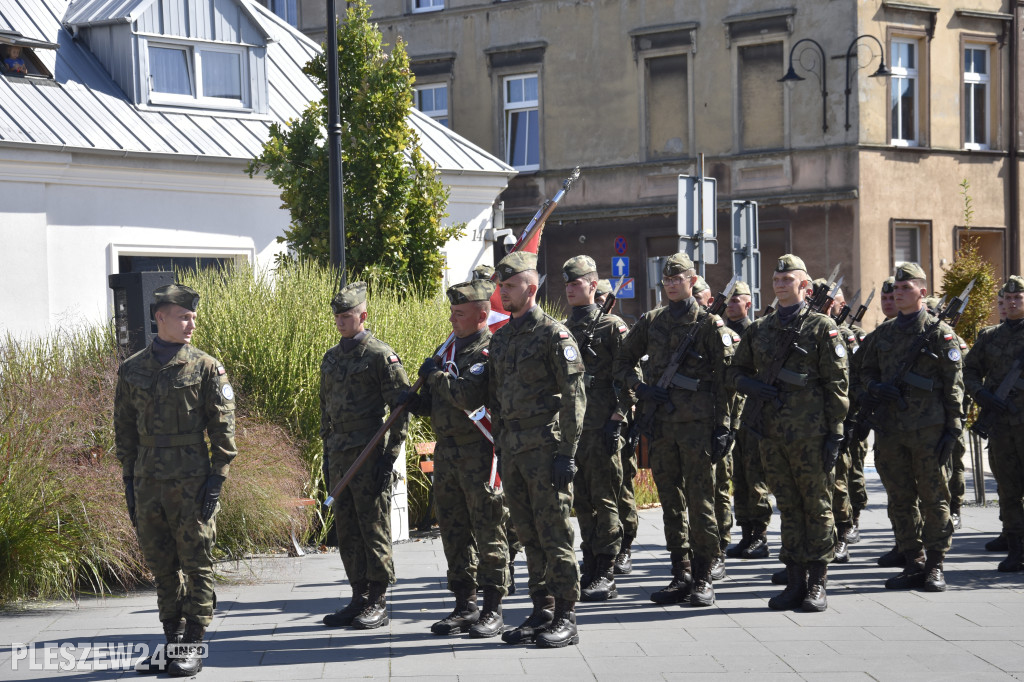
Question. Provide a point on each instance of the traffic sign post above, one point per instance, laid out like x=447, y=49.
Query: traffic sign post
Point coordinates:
x=620, y=266
x=695, y=222
x=746, y=256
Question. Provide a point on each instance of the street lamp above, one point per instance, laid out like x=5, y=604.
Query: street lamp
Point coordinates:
x=336, y=223
x=882, y=71
x=791, y=76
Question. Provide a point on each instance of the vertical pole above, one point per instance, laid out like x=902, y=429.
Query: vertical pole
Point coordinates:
x=336, y=225
x=700, y=212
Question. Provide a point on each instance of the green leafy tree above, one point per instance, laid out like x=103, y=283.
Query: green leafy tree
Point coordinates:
x=968, y=264
x=394, y=201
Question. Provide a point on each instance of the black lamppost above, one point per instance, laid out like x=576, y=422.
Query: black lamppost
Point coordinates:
x=336, y=225
x=791, y=76
x=882, y=71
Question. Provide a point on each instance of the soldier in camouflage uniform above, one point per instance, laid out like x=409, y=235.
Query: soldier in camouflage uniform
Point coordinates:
x=537, y=402
x=471, y=512
x=1000, y=543
x=999, y=351
x=801, y=427
x=690, y=428
x=750, y=491
x=168, y=395
x=918, y=439
x=858, y=449
x=599, y=479
x=359, y=379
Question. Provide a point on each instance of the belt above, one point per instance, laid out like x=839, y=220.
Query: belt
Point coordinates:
x=350, y=425
x=528, y=422
x=465, y=439
x=172, y=440
x=590, y=381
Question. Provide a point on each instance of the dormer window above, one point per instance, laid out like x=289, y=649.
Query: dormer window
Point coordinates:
x=207, y=75
x=18, y=58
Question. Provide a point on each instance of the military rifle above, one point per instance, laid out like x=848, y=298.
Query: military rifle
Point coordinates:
x=983, y=424
x=845, y=310
x=771, y=307
x=859, y=315
x=606, y=307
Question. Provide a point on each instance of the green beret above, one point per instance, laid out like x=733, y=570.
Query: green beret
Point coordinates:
x=910, y=271
x=1014, y=285
x=517, y=262
x=789, y=263
x=349, y=297
x=578, y=266
x=932, y=303
x=741, y=289
x=700, y=285
x=604, y=287
x=676, y=264
x=483, y=272
x=888, y=286
x=471, y=291
x=177, y=294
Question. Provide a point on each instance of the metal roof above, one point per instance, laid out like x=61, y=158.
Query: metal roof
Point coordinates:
x=83, y=109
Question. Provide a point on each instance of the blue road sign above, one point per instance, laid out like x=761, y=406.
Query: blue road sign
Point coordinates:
x=620, y=266
x=627, y=290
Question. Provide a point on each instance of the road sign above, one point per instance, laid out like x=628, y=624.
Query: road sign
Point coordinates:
x=688, y=218
x=627, y=290
x=746, y=258
x=689, y=246
x=621, y=245
x=620, y=266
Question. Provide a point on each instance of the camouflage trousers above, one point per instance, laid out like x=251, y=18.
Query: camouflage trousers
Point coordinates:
x=685, y=478
x=362, y=517
x=723, y=498
x=803, y=492
x=842, y=509
x=917, y=488
x=541, y=514
x=858, y=484
x=750, y=491
x=514, y=546
x=595, y=494
x=1006, y=457
x=177, y=546
x=471, y=516
x=957, y=482
x=627, y=499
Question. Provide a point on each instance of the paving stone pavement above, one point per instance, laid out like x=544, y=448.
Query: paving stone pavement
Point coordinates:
x=267, y=625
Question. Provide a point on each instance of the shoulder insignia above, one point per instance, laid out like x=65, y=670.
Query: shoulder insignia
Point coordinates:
x=963, y=346
x=833, y=333
x=947, y=337
x=392, y=359
x=220, y=370
x=622, y=329
x=735, y=338
x=840, y=350
x=570, y=353
x=478, y=368
x=954, y=355
x=563, y=335
x=726, y=339
x=719, y=323
x=486, y=352
x=851, y=338
x=227, y=392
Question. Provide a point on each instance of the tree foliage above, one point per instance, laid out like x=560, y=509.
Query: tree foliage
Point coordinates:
x=968, y=264
x=394, y=201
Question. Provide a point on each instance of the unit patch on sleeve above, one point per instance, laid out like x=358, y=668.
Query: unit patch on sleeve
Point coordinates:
x=478, y=368
x=570, y=353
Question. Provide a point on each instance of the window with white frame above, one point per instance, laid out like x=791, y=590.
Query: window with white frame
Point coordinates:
x=906, y=244
x=427, y=5
x=977, y=81
x=432, y=100
x=210, y=75
x=522, y=121
x=904, y=103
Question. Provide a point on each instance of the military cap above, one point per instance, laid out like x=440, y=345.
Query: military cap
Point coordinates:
x=604, y=287
x=517, y=262
x=483, y=272
x=789, y=263
x=577, y=267
x=471, y=291
x=888, y=286
x=741, y=289
x=1014, y=285
x=349, y=297
x=676, y=264
x=909, y=271
x=700, y=286
x=177, y=294
x=932, y=303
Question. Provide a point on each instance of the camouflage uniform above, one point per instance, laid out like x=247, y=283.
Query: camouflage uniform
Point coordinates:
x=858, y=449
x=842, y=507
x=160, y=416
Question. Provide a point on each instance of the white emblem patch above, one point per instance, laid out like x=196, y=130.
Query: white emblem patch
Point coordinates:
x=478, y=368
x=726, y=340
x=229, y=393
x=840, y=350
x=954, y=355
x=570, y=353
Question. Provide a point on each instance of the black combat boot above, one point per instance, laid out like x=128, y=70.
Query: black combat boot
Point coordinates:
x=375, y=613
x=1000, y=543
x=462, y=616
x=490, y=623
x=624, y=559
x=602, y=580
x=913, y=574
x=718, y=567
x=842, y=553
x=758, y=548
x=1014, y=560
x=190, y=662
x=736, y=550
x=703, y=591
x=562, y=630
x=587, y=568
x=817, y=574
x=796, y=589
x=678, y=590
x=894, y=558
x=853, y=532
x=781, y=577
x=174, y=629
x=344, y=617
x=541, y=616
x=934, y=581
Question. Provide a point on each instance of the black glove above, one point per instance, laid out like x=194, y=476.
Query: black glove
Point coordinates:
x=990, y=400
x=382, y=468
x=721, y=439
x=129, y=496
x=612, y=430
x=944, y=448
x=210, y=496
x=884, y=391
x=562, y=471
x=829, y=456
x=410, y=399
x=654, y=394
x=428, y=367
x=756, y=388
